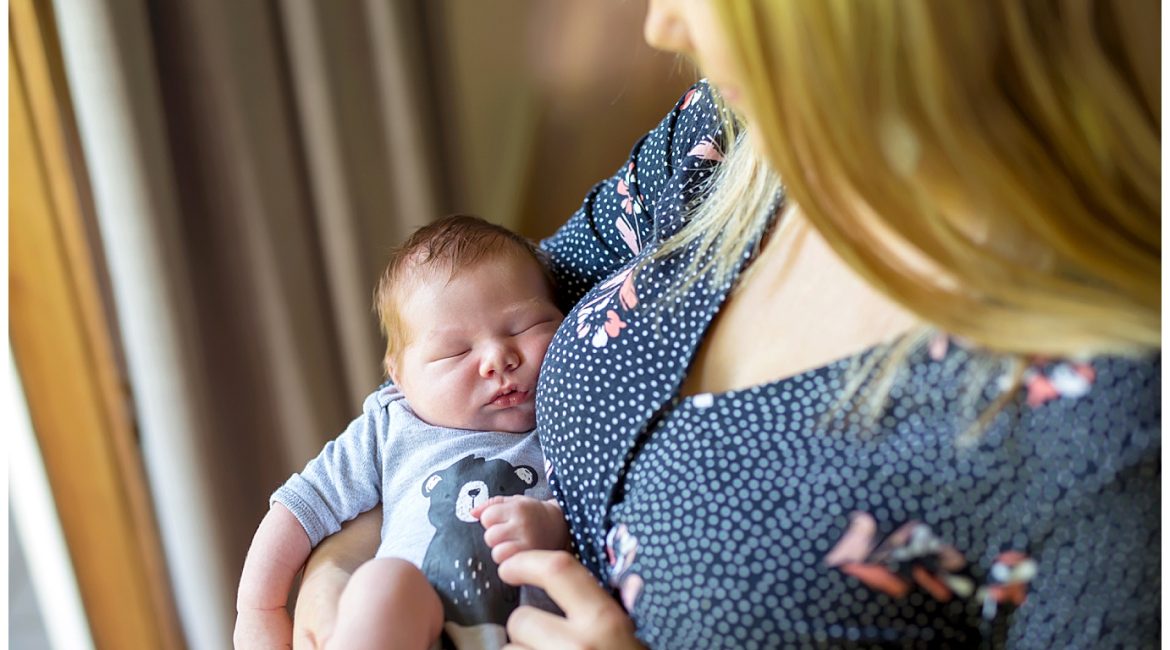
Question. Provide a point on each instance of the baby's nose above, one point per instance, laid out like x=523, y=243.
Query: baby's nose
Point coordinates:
x=501, y=360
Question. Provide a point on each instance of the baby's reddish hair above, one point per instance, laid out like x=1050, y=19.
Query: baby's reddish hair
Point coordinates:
x=451, y=244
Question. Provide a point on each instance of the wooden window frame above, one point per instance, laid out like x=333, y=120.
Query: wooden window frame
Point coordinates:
x=64, y=345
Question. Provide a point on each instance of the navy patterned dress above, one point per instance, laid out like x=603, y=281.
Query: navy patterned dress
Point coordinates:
x=773, y=516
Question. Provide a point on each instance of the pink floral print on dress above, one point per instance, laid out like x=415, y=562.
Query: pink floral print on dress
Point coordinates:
x=601, y=321
x=899, y=561
x=1065, y=379
x=632, y=207
x=914, y=555
x=620, y=549
x=1045, y=380
x=706, y=149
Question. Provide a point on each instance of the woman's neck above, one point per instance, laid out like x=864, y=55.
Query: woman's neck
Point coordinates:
x=798, y=307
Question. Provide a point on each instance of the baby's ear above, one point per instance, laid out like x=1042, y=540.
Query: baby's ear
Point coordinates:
x=391, y=369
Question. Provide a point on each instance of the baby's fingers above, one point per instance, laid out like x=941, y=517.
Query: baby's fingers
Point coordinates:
x=489, y=508
x=505, y=551
x=494, y=535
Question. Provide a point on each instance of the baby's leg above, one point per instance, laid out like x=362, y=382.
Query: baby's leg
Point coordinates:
x=388, y=603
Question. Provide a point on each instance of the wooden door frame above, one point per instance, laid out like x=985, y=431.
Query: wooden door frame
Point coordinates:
x=65, y=347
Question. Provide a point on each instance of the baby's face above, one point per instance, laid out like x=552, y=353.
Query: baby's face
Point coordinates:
x=475, y=345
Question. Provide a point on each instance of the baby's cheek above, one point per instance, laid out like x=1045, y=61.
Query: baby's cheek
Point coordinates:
x=537, y=343
x=538, y=347
x=459, y=381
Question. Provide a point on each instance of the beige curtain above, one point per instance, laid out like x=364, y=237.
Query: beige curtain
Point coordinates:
x=295, y=133
x=253, y=162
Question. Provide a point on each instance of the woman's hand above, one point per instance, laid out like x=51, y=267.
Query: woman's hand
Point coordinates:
x=326, y=574
x=517, y=523
x=592, y=620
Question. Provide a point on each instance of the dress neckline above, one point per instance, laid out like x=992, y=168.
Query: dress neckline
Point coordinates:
x=709, y=398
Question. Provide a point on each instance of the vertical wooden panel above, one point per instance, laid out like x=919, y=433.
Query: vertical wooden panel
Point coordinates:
x=66, y=358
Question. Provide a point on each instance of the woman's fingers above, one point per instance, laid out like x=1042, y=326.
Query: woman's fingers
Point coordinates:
x=592, y=618
x=529, y=627
x=568, y=583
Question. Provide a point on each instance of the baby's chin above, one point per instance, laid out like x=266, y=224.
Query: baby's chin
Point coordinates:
x=515, y=420
x=518, y=423
x=511, y=421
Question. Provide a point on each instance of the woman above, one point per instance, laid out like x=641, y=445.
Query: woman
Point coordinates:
x=761, y=436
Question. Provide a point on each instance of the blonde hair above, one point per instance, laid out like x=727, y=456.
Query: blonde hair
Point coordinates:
x=452, y=244
x=1013, y=146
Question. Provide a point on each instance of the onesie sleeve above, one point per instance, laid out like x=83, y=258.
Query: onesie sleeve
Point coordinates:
x=344, y=480
x=625, y=213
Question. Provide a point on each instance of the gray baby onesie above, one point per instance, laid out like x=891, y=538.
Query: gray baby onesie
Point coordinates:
x=428, y=478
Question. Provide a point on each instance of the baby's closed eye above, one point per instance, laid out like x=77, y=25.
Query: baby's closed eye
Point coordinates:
x=532, y=325
x=450, y=354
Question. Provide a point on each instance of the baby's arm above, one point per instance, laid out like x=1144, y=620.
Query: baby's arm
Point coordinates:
x=519, y=523
x=278, y=551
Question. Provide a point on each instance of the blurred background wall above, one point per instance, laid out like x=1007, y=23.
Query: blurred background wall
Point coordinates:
x=244, y=167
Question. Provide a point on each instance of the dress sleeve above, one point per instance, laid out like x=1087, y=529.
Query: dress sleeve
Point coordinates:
x=343, y=481
x=1097, y=581
x=623, y=214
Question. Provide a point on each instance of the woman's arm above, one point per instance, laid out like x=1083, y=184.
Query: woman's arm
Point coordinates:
x=278, y=550
x=624, y=214
x=329, y=568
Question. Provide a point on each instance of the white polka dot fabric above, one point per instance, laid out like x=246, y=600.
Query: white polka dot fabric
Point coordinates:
x=773, y=517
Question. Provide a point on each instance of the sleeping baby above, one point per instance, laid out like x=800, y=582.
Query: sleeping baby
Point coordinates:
x=448, y=449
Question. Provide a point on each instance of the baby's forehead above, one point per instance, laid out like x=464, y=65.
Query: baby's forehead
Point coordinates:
x=420, y=272
x=423, y=279
x=433, y=274
x=416, y=276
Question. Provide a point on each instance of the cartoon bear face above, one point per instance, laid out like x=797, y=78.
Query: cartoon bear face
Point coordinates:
x=471, y=481
x=458, y=562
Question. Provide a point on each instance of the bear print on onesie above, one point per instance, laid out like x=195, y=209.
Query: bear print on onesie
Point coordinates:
x=458, y=562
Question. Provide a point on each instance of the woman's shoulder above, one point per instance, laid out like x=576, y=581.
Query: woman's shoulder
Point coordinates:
x=639, y=205
x=695, y=128
x=689, y=138
x=1075, y=425
x=1097, y=388
x=1100, y=405
x=1133, y=381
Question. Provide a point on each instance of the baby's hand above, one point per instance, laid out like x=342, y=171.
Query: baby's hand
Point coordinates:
x=518, y=523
